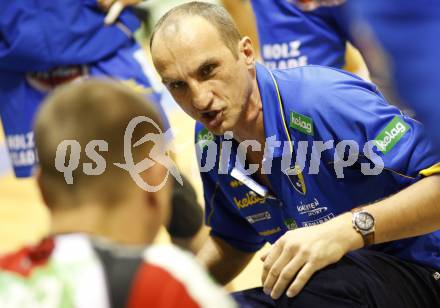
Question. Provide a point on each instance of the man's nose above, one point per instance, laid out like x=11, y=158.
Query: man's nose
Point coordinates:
x=201, y=96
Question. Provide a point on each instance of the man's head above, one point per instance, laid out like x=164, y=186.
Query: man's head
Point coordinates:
x=99, y=110
x=208, y=68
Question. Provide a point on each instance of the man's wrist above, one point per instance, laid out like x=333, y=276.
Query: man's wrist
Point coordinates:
x=364, y=223
x=351, y=239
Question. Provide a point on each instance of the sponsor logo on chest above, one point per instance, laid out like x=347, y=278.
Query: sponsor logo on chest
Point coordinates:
x=301, y=123
x=290, y=223
x=258, y=217
x=249, y=200
x=204, y=137
x=311, y=209
x=318, y=221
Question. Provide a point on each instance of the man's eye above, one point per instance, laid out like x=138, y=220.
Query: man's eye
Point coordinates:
x=175, y=85
x=207, y=70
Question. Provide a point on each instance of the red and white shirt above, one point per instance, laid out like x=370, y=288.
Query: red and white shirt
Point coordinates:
x=75, y=271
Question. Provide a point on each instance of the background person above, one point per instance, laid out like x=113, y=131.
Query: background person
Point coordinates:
x=96, y=256
x=45, y=45
x=290, y=37
x=405, y=34
x=383, y=29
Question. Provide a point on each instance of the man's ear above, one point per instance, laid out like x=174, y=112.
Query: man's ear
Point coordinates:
x=153, y=176
x=246, y=49
x=159, y=201
x=151, y=199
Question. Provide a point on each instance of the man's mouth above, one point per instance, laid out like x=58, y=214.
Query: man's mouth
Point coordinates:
x=213, y=118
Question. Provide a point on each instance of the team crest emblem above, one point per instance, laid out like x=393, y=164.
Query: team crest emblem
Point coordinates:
x=296, y=178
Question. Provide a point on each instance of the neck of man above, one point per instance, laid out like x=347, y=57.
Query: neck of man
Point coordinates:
x=114, y=222
x=251, y=126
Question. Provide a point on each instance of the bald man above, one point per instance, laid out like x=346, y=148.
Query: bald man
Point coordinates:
x=340, y=235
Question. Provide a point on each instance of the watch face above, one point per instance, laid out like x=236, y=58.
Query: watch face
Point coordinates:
x=364, y=221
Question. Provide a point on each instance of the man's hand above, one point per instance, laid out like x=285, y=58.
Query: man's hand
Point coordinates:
x=114, y=8
x=222, y=261
x=299, y=253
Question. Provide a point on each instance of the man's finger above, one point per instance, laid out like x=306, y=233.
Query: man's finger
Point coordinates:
x=278, y=266
x=264, y=255
x=301, y=279
x=289, y=271
x=274, y=253
x=113, y=13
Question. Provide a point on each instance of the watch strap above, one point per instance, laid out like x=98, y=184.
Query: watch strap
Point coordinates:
x=368, y=238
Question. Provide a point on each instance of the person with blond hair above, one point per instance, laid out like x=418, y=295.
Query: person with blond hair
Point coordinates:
x=103, y=223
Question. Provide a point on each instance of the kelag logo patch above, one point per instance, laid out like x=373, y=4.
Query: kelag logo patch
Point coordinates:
x=302, y=123
x=204, y=137
x=391, y=134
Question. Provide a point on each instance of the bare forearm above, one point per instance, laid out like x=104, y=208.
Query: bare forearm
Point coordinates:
x=222, y=261
x=301, y=252
x=411, y=212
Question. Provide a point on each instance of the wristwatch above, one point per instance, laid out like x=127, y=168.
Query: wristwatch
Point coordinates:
x=363, y=223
